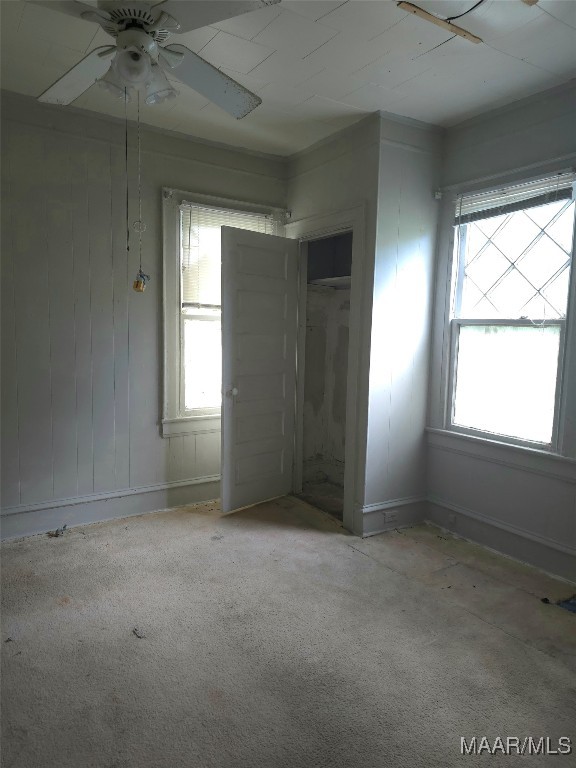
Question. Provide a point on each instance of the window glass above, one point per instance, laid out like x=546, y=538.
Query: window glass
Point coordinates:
x=506, y=380
x=202, y=362
x=200, y=263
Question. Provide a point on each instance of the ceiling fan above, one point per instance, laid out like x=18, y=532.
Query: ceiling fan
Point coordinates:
x=140, y=59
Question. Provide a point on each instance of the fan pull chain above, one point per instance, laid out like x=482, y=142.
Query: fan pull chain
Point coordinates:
x=126, y=170
x=141, y=278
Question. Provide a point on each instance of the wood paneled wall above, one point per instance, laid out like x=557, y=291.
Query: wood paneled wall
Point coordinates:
x=518, y=501
x=81, y=351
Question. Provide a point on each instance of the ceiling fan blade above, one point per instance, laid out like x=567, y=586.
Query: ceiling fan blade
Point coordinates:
x=200, y=13
x=74, y=8
x=80, y=77
x=212, y=83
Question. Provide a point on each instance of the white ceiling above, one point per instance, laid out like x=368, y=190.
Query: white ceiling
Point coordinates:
x=320, y=65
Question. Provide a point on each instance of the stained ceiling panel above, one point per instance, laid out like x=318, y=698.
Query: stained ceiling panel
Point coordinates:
x=564, y=10
x=374, y=19
x=311, y=9
x=56, y=27
x=345, y=53
x=394, y=69
x=325, y=84
x=372, y=98
x=321, y=64
x=544, y=45
x=293, y=33
x=232, y=51
x=282, y=68
x=250, y=24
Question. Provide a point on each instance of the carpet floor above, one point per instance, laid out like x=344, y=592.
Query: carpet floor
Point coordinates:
x=274, y=639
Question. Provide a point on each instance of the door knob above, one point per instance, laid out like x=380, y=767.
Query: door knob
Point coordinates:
x=232, y=392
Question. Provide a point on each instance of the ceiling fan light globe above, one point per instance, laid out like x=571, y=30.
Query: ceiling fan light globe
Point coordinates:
x=111, y=83
x=114, y=90
x=161, y=96
x=158, y=89
x=132, y=66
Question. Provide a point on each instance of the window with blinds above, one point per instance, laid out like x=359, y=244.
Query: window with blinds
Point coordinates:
x=532, y=194
x=200, y=268
x=200, y=249
x=513, y=255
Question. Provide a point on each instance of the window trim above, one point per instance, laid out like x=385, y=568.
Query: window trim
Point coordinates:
x=561, y=444
x=174, y=419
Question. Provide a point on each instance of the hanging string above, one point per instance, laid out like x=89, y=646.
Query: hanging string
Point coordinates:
x=141, y=279
x=126, y=168
x=139, y=186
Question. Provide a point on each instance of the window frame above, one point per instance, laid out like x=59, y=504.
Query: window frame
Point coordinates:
x=454, y=323
x=175, y=419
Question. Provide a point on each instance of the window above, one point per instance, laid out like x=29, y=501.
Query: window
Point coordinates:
x=512, y=258
x=192, y=305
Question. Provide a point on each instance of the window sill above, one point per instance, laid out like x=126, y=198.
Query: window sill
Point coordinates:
x=190, y=425
x=516, y=456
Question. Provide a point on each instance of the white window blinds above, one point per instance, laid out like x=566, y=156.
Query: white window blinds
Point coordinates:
x=483, y=205
x=200, y=248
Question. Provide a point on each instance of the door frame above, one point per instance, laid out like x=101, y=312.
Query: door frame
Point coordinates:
x=316, y=228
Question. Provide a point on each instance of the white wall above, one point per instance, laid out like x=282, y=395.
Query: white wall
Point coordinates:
x=81, y=351
x=517, y=501
x=409, y=163
x=533, y=134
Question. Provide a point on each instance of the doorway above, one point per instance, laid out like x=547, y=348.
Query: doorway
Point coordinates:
x=265, y=278
x=325, y=303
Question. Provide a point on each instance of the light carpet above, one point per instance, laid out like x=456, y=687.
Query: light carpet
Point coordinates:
x=274, y=639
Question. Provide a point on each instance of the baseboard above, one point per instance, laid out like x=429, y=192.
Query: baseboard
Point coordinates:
x=388, y=515
x=83, y=510
x=553, y=557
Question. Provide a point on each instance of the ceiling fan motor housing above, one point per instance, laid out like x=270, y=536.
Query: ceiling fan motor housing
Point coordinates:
x=138, y=16
x=137, y=41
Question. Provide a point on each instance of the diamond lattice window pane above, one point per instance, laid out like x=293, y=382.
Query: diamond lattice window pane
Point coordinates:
x=489, y=226
x=475, y=241
x=561, y=231
x=542, y=215
x=471, y=296
x=542, y=261
x=557, y=292
x=538, y=309
x=506, y=380
x=511, y=294
x=516, y=235
x=485, y=309
x=487, y=268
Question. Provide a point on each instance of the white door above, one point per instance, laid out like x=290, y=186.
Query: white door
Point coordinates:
x=259, y=319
